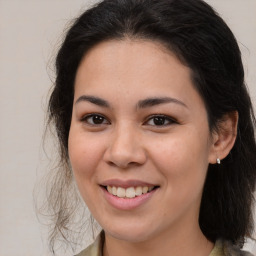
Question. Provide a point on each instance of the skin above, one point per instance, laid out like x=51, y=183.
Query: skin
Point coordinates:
x=127, y=144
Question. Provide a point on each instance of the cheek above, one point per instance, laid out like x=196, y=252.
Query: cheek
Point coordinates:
x=84, y=154
x=182, y=160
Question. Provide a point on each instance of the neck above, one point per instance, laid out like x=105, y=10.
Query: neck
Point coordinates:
x=176, y=243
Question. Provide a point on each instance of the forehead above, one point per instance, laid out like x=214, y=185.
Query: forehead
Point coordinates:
x=126, y=72
x=130, y=59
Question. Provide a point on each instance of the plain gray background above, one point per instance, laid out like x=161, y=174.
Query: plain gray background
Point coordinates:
x=30, y=32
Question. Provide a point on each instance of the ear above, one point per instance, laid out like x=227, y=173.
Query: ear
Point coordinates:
x=224, y=138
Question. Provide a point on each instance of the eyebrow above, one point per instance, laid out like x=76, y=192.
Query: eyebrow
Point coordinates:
x=95, y=100
x=149, y=102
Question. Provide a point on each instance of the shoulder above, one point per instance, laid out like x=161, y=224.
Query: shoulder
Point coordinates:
x=222, y=247
x=91, y=250
x=226, y=248
x=95, y=249
x=233, y=250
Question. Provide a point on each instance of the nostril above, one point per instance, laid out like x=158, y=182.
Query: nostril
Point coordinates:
x=124, y=151
x=123, y=165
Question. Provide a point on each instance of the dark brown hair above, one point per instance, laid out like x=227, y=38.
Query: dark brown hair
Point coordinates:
x=193, y=31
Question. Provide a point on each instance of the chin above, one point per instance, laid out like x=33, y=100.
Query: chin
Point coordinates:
x=129, y=233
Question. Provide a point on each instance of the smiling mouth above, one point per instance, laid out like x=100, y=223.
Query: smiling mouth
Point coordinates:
x=130, y=192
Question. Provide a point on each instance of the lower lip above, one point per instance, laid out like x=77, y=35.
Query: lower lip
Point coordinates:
x=127, y=203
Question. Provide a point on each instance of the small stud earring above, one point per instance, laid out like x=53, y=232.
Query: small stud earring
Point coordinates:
x=218, y=161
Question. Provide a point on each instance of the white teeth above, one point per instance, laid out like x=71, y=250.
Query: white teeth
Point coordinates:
x=144, y=190
x=130, y=192
x=149, y=189
x=138, y=191
x=120, y=192
x=114, y=191
x=109, y=189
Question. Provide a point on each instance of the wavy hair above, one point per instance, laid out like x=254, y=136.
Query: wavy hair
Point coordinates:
x=199, y=37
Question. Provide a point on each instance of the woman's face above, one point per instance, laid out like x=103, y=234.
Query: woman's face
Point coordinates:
x=139, y=141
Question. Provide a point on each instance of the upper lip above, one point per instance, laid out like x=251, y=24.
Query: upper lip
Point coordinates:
x=126, y=183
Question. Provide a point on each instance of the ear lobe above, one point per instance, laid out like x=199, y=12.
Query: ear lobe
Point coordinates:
x=224, y=138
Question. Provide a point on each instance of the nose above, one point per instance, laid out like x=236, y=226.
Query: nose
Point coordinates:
x=125, y=148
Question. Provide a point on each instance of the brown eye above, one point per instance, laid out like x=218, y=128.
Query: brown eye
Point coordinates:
x=95, y=119
x=160, y=120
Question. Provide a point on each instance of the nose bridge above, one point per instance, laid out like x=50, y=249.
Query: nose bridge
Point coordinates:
x=125, y=146
x=124, y=136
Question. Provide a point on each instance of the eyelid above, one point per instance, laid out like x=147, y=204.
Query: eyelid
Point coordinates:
x=87, y=116
x=106, y=121
x=169, y=118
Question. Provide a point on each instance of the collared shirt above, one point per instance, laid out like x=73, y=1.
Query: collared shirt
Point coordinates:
x=221, y=248
x=96, y=248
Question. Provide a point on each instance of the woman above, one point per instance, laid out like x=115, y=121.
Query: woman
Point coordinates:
x=156, y=127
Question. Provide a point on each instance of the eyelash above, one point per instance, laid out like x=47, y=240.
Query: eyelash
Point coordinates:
x=155, y=118
x=95, y=115
x=162, y=119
